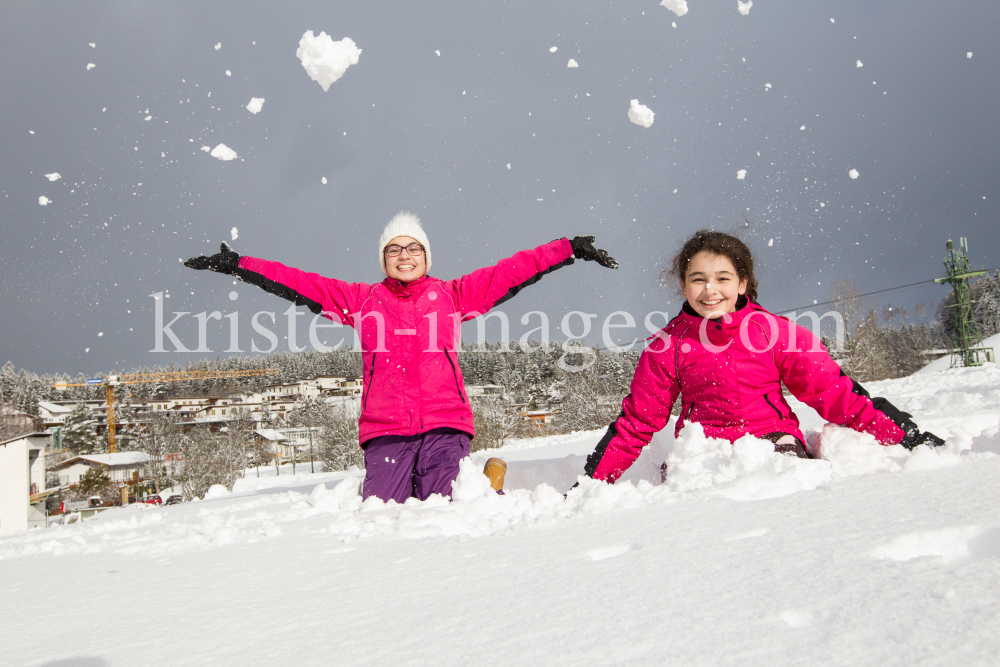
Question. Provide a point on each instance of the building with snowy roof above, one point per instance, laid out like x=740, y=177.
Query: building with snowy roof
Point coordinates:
x=120, y=467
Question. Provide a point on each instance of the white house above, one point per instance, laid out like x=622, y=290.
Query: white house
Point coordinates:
x=22, y=473
x=120, y=466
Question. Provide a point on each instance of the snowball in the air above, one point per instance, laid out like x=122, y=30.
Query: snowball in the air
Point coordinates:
x=832, y=21
x=853, y=173
x=218, y=46
x=54, y=176
x=860, y=64
x=228, y=73
x=741, y=175
x=100, y=333
x=640, y=114
x=572, y=63
x=207, y=149
x=256, y=103
x=90, y=66
x=803, y=127
x=323, y=180
x=969, y=54
x=235, y=233
x=92, y=45
x=43, y=200
x=679, y=7
x=508, y=166
x=744, y=7
x=553, y=49
x=767, y=86
x=324, y=59
x=223, y=152
x=438, y=52
x=770, y=243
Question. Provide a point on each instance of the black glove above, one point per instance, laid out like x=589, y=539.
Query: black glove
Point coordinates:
x=583, y=248
x=227, y=261
x=914, y=438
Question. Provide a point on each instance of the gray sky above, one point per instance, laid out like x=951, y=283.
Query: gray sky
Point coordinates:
x=408, y=129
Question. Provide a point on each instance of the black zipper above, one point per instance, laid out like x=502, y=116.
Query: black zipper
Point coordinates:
x=687, y=417
x=780, y=416
x=454, y=374
x=371, y=377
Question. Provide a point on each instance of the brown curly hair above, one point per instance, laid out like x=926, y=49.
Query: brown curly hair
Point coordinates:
x=717, y=243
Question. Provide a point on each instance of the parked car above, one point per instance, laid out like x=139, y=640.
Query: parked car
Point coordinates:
x=152, y=500
x=173, y=500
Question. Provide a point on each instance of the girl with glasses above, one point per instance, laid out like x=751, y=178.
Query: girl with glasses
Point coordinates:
x=416, y=421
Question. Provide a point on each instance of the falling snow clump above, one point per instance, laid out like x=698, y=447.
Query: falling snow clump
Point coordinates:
x=90, y=66
x=860, y=64
x=54, y=176
x=744, y=7
x=256, y=103
x=770, y=243
x=207, y=149
x=853, y=173
x=324, y=59
x=741, y=175
x=234, y=233
x=218, y=46
x=968, y=54
x=767, y=87
x=223, y=152
x=572, y=63
x=43, y=200
x=553, y=49
x=679, y=7
x=640, y=114
x=323, y=180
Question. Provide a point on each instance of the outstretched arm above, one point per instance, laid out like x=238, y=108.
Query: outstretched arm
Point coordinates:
x=645, y=411
x=818, y=381
x=327, y=296
x=485, y=288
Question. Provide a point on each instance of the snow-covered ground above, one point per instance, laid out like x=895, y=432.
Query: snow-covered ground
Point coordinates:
x=868, y=556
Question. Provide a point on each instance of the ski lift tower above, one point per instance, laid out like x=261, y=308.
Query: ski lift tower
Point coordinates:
x=965, y=347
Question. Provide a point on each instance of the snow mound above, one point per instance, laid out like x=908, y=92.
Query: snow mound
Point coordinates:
x=255, y=105
x=640, y=114
x=223, y=152
x=54, y=176
x=324, y=59
x=944, y=363
x=741, y=175
x=748, y=469
x=948, y=544
x=572, y=63
x=679, y=7
x=744, y=7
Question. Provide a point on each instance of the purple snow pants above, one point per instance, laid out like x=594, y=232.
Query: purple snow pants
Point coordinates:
x=398, y=467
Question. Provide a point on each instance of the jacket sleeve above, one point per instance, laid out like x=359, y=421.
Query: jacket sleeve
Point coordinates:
x=645, y=411
x=817, y=380
x=323, y=296
x=481, y=290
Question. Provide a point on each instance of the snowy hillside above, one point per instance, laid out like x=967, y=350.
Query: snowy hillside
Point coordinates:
x=868, y=556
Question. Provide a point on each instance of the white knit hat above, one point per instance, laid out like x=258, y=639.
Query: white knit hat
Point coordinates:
x=404, y=224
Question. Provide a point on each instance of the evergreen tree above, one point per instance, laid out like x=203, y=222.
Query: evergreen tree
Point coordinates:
x=80, y=432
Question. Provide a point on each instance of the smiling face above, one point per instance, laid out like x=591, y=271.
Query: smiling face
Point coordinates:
x=404, y=267
x=711, y=285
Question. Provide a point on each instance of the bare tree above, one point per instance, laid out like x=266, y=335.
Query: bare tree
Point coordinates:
x=496, y=421
x=338, y=437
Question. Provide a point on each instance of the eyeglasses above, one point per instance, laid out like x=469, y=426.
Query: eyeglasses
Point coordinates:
x=414, y=250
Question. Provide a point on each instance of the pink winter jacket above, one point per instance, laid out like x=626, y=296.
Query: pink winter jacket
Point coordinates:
x=409, y=332
x=728, y=373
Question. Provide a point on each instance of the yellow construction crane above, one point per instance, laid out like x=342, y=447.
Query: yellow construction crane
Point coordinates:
x=112, y=381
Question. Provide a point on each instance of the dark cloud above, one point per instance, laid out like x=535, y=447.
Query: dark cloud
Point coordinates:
x=921, y=136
